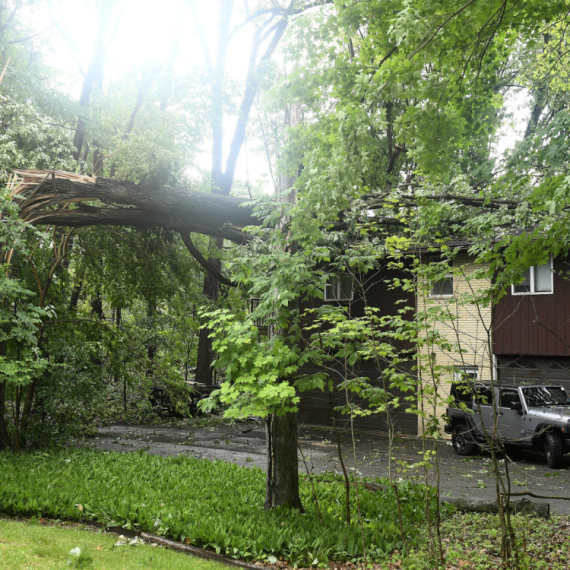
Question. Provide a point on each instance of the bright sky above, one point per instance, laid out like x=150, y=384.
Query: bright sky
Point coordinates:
x=144, y=36
x=512, y=130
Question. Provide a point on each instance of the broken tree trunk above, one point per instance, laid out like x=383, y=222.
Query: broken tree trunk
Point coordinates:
x=65, y=199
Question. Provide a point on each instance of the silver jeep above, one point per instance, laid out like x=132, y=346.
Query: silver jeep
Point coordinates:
x=535, y=416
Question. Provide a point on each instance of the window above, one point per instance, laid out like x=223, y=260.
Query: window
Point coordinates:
x=461, y=392
x=546, y=396
x=509, y=396
x=439, y=276
x=523, y=364
x=467, y=374
x=443, y=287
x=339, y=289
x=484, y=396
x=259, y=322
x=536, y=280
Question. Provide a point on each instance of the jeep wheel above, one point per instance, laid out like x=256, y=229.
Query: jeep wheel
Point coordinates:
x=554, y=450
x=463, y=441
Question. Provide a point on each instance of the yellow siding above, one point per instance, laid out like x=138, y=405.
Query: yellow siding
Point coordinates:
x=470, y=330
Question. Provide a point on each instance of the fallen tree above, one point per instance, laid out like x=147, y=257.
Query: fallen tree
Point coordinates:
x=65, y=199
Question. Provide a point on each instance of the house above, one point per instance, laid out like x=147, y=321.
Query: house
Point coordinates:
x=525, y=337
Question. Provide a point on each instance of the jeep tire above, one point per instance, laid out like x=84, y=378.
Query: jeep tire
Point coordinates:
x=554, y=449
x=462, y=440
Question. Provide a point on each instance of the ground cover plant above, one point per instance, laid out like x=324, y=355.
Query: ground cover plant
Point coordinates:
x=213, y=505
x=472, y=541
x=41, y=546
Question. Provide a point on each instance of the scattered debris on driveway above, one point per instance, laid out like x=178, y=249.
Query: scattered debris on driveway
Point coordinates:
x=244, y=443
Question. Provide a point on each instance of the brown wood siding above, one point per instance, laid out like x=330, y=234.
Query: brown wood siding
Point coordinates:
x=535, y=324
x=379, y=293
x=315, y=408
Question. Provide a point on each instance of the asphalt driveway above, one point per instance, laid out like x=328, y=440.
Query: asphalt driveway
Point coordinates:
x=244, y=444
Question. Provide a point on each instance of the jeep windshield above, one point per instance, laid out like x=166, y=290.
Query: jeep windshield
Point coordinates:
x=545, y=396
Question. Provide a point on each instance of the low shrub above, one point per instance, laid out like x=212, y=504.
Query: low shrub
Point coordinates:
x=213, y=505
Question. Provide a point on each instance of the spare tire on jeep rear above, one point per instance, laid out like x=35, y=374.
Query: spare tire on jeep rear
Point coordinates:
x=463, y=440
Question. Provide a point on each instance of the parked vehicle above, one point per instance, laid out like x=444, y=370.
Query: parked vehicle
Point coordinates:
x=536, y=417
x=164, y=406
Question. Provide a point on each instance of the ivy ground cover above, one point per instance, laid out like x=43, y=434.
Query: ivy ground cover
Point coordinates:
x=212, y=505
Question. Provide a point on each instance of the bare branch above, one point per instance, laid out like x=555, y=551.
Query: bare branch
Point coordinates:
x=201, y=36
x=35, y=34
x=247, y=102
x=10, y=17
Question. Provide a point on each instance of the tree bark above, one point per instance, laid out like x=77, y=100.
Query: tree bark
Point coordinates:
x=5, y=442
x=282, y=484
x=47, y=197
x=204, y=371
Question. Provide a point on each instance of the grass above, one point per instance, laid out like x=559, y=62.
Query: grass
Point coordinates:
x=32, y=545
x=212, y=505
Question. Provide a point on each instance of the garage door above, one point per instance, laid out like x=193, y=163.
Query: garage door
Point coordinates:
x=315, y=408
x=534, y=370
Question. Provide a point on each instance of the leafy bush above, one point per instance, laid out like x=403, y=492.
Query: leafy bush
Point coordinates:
x=213, y=505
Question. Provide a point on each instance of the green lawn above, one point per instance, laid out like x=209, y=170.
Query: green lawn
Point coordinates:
x=26, y=545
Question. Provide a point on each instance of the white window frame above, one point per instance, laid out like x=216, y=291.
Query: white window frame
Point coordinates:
x=471, y=370
x=433, y=295
x=334, y=283
x=532, y=282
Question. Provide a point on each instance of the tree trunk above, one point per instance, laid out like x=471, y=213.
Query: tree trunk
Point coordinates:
x=146, y=205
x=5, y=442
x=94, y=76
x=204, y=372
x=282, y=484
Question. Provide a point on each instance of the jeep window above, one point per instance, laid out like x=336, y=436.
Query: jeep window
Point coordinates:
x=461, y=392
x=483, y=396
x=509, y=397
x=545, y=396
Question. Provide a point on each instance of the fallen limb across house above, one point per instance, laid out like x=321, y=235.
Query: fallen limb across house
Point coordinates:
x=65, y=199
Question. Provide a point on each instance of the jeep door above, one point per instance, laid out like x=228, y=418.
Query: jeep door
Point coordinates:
x=483, y=409
x=511, y=421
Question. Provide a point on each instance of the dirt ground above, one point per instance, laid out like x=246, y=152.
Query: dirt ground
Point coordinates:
x=244, y=444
